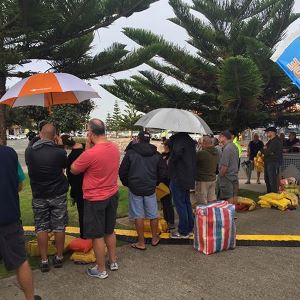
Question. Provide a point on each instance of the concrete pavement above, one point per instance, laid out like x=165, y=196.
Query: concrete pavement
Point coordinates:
x=176, y=272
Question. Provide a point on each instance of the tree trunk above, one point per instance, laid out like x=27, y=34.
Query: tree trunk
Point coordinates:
x=2, y=111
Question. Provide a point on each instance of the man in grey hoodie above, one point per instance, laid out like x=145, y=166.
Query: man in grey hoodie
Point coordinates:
x=46, y=163
x=207, y=161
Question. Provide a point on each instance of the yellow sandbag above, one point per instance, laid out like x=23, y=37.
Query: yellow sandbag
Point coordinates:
x=162, y=225
x=264, y=204
x=281, y=204
x=247, y=201
x=292, y=188
x=273, y=196
x=86, y=258
x=161, y=191
x=292, y=197
x=33, y=249
x=68, y=240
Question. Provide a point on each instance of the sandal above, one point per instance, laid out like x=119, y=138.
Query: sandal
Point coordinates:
x=155, y=244
x=135, y=246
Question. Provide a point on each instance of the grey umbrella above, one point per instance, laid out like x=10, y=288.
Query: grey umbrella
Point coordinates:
x=174, y=119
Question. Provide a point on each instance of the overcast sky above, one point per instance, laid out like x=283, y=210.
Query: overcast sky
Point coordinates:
x=154, y=19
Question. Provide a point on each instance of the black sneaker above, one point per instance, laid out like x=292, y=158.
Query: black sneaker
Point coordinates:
x=36, y=297
x=44, y=266
x=57, y=262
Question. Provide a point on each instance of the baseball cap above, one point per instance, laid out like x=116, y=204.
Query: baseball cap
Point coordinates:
x=227, y=134
x=272, y=129
x=144, y=136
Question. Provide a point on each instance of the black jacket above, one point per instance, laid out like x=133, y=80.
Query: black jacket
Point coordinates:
x=75, y=181
x=142, y=169
x=273, y=151
x=182, y=161
x=45, y=164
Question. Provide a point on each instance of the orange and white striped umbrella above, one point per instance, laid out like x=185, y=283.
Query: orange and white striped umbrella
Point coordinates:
x=47, y=89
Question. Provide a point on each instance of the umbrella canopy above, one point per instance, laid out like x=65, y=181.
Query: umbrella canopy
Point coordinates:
x=47, y=89
x=174, y=119
x=287, y=56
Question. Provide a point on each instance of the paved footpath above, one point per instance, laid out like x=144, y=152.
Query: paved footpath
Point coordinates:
x=176, y=272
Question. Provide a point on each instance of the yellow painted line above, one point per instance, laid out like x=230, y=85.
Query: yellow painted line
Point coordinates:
x=239, y=237
x=254, y=237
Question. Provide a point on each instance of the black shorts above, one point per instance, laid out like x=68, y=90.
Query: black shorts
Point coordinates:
x=12, y=245
x=99, y=217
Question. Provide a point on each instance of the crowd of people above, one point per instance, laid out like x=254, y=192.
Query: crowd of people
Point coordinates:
x=92, y=171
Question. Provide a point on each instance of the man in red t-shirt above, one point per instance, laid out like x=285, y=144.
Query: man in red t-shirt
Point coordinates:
x=100, y=165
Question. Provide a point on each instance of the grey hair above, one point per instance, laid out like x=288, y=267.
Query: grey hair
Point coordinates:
x=97, y=127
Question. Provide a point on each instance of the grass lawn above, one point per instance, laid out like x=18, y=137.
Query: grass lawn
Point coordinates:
x=26, y=209
x=27, y=217
x=249, y=194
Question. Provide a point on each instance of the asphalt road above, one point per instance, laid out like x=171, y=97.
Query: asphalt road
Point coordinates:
x=176, y=272
x=20, y=146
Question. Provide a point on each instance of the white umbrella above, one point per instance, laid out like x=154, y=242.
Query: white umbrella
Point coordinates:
x=174, y=119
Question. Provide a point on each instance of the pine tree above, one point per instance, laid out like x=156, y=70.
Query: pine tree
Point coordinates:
x=108, y=122
x=248, y=28
x=116, y=118
x=129, y=118
x=61, y=32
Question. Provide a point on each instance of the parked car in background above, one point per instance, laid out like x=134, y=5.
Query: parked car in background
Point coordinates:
x=12, y=137
x=156, y=136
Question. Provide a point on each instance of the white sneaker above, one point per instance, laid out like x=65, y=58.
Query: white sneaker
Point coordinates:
x=177, y=235
x=94, y=272
x=113, y=266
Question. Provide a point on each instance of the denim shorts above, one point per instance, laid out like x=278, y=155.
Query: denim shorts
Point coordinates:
x=141, y=207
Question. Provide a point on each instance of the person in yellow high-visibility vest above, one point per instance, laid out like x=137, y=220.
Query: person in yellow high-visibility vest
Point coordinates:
x=235, y=141
x=164, y=135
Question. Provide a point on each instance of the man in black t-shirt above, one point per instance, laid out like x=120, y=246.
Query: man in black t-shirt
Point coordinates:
x=12, y=242
x=254, y=147
x=46, y=163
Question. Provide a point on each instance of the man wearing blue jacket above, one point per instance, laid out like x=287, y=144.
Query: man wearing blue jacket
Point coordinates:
x=12, y=241
x=141, y=170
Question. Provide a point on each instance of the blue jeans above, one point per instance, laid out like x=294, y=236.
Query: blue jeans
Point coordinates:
x=271, y=176
x=184, y=209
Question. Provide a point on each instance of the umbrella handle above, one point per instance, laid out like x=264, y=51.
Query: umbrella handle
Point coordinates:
x=50, y=105
x=50, y=110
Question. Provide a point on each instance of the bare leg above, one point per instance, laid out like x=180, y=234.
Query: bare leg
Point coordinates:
x=258, y=177
x=24, y=276
x=42, y=238
x=154, y=230
x=60, y=243
x=110, y=241
x=99, y=249
x=139, y=225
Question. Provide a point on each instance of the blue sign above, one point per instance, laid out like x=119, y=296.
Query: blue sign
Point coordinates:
x=288, y=58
